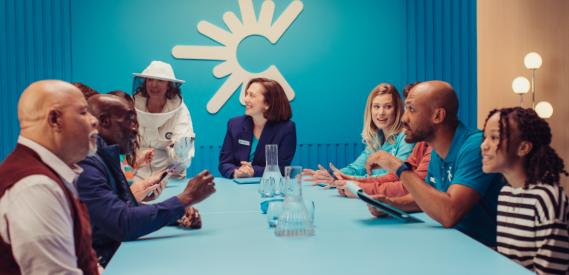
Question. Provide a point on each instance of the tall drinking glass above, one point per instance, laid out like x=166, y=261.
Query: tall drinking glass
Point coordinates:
x=273, y=212
x=294, y=221
x=267, y=188
x=272, y=168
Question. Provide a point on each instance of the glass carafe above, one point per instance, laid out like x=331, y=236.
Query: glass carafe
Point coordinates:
x=294, y=220
x=272, y=169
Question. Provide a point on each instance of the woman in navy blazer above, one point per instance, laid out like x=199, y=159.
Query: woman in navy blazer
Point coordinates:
x=266, y=121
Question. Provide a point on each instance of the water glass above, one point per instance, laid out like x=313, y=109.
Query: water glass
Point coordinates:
x=267, y=188
x=280, y=187
x=310, y=208
x=273, y=212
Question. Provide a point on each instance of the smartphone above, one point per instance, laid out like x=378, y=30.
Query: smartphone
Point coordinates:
x=163, y=176
x=332, y=174
x=166, y=175
x=169, y=172
x=174, y=167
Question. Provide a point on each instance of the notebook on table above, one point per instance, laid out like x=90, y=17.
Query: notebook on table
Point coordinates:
x=247, y=180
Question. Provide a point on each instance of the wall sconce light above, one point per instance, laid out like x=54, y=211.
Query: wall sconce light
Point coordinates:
x=533, y=62
x=544, y=109
x=521, y=87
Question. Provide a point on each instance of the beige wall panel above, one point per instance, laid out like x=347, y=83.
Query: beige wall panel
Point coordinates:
x=507, y=31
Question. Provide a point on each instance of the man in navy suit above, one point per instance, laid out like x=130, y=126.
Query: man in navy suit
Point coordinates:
x=266, y=121
x=115, y=213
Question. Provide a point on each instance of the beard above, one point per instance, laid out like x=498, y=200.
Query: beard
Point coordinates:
x=92, y=146
x=421, y=133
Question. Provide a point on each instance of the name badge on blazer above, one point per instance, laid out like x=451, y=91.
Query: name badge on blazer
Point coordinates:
x=244, y=142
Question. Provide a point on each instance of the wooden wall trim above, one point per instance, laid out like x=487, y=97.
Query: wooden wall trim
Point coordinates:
x=507, y=31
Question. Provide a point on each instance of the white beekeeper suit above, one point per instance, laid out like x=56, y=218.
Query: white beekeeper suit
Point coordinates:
x=161, y=130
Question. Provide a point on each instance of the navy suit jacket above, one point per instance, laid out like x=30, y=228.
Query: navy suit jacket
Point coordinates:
x=115, y=215
x=282, y=133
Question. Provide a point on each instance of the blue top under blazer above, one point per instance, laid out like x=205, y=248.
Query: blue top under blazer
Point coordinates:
x=282, y=133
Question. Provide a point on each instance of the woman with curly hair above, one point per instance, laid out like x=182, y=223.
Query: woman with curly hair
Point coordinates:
x=532, y=207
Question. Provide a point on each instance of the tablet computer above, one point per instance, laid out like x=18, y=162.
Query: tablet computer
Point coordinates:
x=388, y=209
x=247, y=180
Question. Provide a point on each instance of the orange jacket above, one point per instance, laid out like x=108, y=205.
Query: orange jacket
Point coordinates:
x=389, y=184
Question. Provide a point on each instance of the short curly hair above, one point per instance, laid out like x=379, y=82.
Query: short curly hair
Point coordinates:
x=542, y=163
x=86, y=90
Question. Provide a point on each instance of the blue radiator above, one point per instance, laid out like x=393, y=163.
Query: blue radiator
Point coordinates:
x=307, y=156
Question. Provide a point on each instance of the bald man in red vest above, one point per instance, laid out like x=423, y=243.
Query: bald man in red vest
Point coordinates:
x=44, y=227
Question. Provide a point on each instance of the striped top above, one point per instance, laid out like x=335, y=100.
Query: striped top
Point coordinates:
x=532, y=227
x=127, y=170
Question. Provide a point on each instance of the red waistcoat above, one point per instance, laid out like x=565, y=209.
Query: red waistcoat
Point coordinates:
x=23, y=162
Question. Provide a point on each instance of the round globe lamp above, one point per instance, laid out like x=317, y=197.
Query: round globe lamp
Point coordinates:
x=544, y=109
x=521, y=86
x=532, y=61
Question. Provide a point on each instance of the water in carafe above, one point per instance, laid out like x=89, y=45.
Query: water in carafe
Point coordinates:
x=294, y=220
x=272, y=169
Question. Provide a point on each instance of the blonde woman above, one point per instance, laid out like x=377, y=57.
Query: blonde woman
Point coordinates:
x=383, y=130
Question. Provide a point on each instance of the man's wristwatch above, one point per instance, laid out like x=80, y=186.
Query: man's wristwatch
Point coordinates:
x=404, y=166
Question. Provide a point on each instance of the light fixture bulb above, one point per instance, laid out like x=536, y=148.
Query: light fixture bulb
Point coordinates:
x=532, y=61
x=520, y=85
x=544, y=109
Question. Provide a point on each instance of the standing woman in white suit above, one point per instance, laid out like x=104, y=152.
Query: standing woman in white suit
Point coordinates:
x=165, y=122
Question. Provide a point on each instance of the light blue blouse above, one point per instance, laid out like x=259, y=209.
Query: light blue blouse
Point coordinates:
x=400, y=149
x=253, y=148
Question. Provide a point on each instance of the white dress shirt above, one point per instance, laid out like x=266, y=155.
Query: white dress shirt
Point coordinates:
x=35, y=218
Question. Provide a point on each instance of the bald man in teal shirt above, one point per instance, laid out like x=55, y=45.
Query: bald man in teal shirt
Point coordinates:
x=456, y=192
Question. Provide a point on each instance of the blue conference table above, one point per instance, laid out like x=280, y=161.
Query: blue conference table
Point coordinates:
x=236, y=239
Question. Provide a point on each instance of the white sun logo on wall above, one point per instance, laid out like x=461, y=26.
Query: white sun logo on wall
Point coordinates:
x=231, y=40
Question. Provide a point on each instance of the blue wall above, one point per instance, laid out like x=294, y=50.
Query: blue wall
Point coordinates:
x=332, y=55
x=35, y=44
